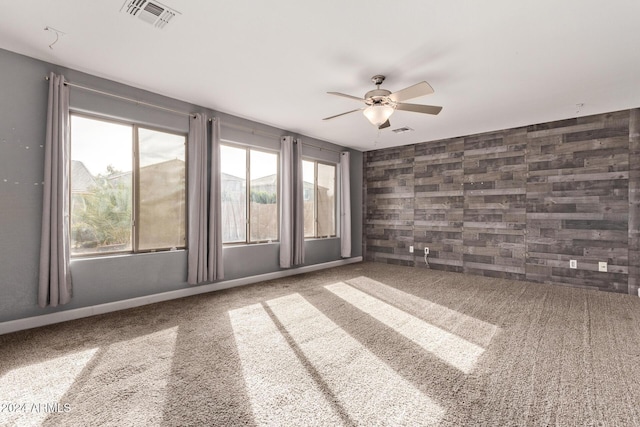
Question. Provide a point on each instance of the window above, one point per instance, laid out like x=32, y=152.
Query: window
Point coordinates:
x=319, y=182
x=128, y=187
x=249, y=215
x=233, y=163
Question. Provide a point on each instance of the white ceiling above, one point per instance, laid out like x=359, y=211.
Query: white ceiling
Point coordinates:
x=493, y=64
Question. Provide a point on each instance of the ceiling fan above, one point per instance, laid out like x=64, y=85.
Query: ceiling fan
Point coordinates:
x=381, y=103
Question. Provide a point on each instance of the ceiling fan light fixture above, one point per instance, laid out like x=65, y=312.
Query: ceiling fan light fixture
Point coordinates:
x=378, y=114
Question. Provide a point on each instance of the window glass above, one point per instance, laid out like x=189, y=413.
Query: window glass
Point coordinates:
x=101, y=186
x=234, y=194
x=326, y=210
x=319, y=181
x=308, y=182
x=162, y=189
x=264, y=196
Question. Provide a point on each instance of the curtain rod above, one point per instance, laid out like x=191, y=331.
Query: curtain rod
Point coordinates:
x=249, y=129
x=124, y=98
x=271, y=135
x=232, y=125
x=321, y=148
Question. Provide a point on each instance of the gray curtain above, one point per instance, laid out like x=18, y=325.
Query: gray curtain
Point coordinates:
x=54, y=284
x=345, y=206
x=291, y=204
x=215, y=260
x=205, y=263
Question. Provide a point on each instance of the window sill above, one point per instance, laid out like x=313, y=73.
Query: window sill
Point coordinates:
x=309, y=239
x=123, y=254
x=245, y=244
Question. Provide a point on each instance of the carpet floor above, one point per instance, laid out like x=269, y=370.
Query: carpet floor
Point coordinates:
x=364, y=344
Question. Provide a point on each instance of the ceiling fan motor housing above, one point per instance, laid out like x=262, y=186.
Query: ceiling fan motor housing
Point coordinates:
x=377, y=96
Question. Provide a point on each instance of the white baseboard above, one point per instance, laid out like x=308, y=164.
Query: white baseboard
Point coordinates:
x=77, y=313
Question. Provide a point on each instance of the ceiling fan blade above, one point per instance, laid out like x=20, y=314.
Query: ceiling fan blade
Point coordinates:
x=416, y=108
x=342, y=114
x=384, y=125
x=418, y=89
x=344, y=95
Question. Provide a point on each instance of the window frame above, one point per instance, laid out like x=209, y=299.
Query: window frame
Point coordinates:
x=135, y=184
x=247, y=149
x=315, y=198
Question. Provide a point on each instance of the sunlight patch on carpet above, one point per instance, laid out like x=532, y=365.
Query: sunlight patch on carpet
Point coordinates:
x=34, y=391
x=370, y=391
x=467, y=327
x=280, y=388
x=131, y=375
x=449, y=348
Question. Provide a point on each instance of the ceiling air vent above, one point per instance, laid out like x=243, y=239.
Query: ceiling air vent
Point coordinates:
x=152, y=12
x=403, y=130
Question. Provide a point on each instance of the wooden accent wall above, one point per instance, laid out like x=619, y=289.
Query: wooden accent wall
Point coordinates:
x=495, y=176
x=634, y=202
x=389, y=200
x=518, y=203
x=439, y=204
x=577, y=201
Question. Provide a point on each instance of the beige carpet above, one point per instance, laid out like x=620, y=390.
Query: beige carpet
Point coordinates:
x=364, y=344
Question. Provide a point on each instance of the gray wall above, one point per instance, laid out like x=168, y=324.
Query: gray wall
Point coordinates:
x=111, y=278
x=517, y=203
